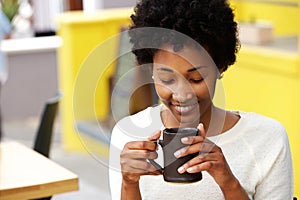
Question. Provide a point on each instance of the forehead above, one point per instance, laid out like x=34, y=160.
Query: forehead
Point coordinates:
x=187, y=57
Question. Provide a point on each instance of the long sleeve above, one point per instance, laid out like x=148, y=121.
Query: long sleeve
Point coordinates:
x=277, y=180
x=115, y=177
x=136, y=127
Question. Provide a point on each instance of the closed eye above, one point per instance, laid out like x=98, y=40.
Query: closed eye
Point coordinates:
x=167, y=82
x=196, y=80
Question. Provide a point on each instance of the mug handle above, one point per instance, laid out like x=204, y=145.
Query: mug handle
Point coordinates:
x=155, y=164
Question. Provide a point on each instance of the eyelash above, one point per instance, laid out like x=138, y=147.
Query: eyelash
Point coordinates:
x=172, y=80
x=167, y=82
x=196, y=81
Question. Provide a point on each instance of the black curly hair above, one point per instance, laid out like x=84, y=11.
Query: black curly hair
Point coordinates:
x=208, y=22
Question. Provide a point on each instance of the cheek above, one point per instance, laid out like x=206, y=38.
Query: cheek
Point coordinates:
x=163, y=92
x=205, y=91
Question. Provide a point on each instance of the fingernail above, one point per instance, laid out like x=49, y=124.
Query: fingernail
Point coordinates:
x=177, y=153
x=180, y=170
x=191, y=169
x=184, y=139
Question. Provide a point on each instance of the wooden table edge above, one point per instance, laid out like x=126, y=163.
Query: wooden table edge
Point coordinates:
x=57, y=187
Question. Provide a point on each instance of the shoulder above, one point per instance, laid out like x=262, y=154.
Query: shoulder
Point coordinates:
x=266, y=137
x=256, y=132
x=262, y=125
x=262, y=135
x=270, y=148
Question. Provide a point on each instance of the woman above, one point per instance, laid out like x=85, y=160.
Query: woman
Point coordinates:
x=247, y=155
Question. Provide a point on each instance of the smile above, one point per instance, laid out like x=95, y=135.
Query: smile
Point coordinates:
x=185, y=109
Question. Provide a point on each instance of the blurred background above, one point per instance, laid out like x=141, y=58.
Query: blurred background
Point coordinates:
x=75, y=47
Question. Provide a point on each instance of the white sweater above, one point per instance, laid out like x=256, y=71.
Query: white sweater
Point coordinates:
x=256, y=149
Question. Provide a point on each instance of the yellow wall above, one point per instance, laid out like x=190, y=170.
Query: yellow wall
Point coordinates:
x=284, y=18
x=84, y=69
x=267, y=81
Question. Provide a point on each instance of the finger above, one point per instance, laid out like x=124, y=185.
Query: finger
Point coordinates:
x=141, y=145
x=196, y=161
x=138, y=154
x=157, y=172
x=192, y=139
x=153, y=170
x=201, y=130
x=205, y=166
x=203, y=147
x=134, y=166
x=141, y=167
x=155, y=135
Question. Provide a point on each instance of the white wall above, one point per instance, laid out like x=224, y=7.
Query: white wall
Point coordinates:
x=44, y=12
x=118, y=3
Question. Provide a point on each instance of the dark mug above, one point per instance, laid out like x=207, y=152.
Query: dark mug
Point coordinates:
x=170, y=144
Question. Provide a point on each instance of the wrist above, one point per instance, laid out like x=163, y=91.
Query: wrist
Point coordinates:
x=234, y=190
x=130, y=182
x=231, y=184
x=130, y=190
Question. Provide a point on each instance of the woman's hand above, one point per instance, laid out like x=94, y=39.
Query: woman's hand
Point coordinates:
x=134, y=157
x=212, y=160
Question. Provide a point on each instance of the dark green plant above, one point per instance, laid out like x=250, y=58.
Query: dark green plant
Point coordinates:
x=10, y=8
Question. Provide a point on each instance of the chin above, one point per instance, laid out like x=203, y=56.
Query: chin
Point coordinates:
x=191, y=123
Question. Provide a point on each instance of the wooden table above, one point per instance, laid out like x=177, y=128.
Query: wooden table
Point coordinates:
x=26, y=174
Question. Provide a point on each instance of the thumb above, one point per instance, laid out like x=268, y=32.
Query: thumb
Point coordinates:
x=201, y=130
x=155, y=135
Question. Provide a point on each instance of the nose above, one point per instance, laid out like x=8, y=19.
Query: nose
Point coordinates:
x=182, y=93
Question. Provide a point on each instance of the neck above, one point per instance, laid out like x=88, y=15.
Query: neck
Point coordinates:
x=213, y=120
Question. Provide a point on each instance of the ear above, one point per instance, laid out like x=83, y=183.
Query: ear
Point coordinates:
x=221, y=71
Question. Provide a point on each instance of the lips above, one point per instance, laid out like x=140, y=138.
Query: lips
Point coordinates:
x=184, y=109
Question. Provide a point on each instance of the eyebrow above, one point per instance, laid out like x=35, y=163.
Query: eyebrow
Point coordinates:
x=196, y=68
x=189, y=70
